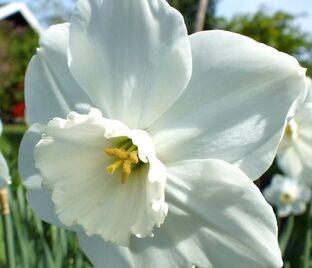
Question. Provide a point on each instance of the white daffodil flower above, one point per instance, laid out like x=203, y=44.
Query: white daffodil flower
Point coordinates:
x=5, y=178
x=288, y=195
x=129, y=115
x=294, y=156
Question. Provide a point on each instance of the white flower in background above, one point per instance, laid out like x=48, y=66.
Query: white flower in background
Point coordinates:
x=295, y=151
x=5, y=178
x=162, y=105
x=288, y=195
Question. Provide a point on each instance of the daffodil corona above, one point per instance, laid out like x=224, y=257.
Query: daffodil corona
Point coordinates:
x=113, y=168
x=136, y=125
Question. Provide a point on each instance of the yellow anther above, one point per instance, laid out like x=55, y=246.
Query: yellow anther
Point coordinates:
x=126, y=158
x=120, y=153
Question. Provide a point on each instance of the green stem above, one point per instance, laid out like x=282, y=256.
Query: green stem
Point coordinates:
x=7, y=228
x=307, y=246
x=284, y=238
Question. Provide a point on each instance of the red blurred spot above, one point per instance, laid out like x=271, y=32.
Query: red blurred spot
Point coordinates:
x=18, y=110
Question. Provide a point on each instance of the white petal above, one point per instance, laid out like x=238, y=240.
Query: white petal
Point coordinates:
x=235, y=105
x=306, y=176
x=132, y=56
x=296, y=156
x=39, y=199
x=271, y=195
x=284, y=210
x=299, y=207
x=217, y=218
x=5, y=178
x=100, y=252
x=289, y=161
x=295, y=153
x=72, y=161
x=26, y=164
x=304, y=114
x=309, y=93
x=305, y=194
x=50, y=89
x=304, y=150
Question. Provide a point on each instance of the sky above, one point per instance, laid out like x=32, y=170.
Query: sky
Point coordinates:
x=228, y=8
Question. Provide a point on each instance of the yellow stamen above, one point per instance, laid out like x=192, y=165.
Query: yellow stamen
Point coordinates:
x=127, y=156
x=120, y=153
x=126, y=171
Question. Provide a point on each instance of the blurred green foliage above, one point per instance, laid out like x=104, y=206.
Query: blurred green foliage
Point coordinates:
x=278, y=30
x=17, y=45
x=36, y=244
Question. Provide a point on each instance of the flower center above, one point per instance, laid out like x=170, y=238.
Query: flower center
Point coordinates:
x=286, y=198
x=127, y=159
x=291, y=130
x=288, y=131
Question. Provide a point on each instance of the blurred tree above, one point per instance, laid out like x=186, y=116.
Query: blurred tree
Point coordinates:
x=201, y=15
x=278, y=30
x=189, y=8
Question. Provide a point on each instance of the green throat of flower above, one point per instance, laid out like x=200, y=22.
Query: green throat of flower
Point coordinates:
x=291, y=130
x=288, y=131
x=126, y=159
x=285, y=198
